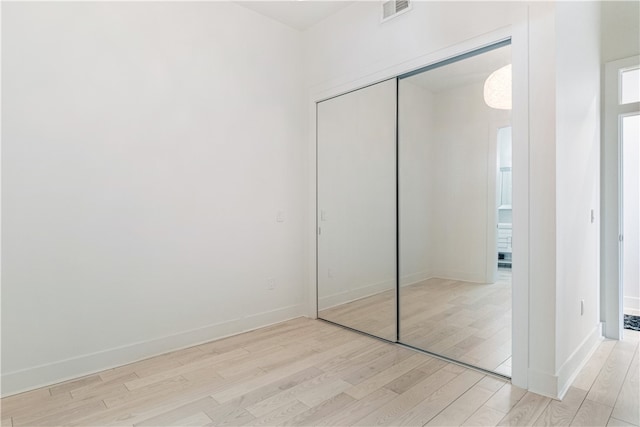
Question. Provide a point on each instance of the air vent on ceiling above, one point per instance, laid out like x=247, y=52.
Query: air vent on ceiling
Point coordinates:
x=393, y=8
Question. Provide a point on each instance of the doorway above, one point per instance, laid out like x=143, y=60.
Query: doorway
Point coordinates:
x=620, y=163
x=630, y=216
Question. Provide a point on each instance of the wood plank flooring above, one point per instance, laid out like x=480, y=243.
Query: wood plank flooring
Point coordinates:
x=469, y=322
x=308, y=372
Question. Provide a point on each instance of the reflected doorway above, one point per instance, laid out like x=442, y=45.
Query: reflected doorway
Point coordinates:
x=455, y=226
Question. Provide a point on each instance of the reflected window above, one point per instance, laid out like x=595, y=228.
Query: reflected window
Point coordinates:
x=630, y=85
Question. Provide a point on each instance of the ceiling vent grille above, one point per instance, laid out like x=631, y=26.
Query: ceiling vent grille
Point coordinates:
x=393, y=8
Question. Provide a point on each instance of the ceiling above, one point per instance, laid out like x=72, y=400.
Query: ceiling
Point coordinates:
x=296, y=14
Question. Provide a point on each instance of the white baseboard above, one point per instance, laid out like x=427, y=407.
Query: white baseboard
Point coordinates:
x=412, y=279
x=572, y=366
x=631, y=303
x=543, y=383
x=329, y=301
x=463, y=276
x=350, y=295
x=556, y=385
x=63, y=370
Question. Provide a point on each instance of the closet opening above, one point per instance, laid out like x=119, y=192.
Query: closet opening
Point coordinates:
x=414, y=219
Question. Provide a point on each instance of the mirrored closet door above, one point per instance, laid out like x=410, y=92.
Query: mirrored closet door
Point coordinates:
x=454, y=184
x=356, y=218
x=414, y=209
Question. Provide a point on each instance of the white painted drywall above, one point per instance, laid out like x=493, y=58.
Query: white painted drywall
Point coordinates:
x=631, y=212
x=147, y=149
x=577, y=182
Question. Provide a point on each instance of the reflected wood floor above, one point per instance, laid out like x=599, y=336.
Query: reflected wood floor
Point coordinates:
x=464, y=321
x=309, y=372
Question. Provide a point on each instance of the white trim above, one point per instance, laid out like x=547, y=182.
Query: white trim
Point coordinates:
x=631, y=303
x=521, y=206
x=415, y=278
x=556, y=386
x=75, y=367
x=477, y=277
x=329, y=301
x=578, y=359
x=543, y=383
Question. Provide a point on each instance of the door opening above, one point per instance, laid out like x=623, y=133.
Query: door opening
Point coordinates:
x=619, y=236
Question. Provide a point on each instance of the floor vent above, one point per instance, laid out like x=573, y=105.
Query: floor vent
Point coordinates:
x=393, y=8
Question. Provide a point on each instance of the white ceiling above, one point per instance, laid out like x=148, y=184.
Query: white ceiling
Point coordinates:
x=296, y=14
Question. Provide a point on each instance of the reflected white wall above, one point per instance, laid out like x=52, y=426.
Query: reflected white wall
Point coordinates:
x=415, y=181
x=447, y=183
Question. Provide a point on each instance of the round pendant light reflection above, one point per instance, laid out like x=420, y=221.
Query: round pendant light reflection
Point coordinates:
x=497, y=89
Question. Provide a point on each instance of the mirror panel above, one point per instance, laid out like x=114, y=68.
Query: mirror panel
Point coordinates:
x=356, y=218
x=455, y=300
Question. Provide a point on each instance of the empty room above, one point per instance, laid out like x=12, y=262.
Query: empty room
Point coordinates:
x=320, y=213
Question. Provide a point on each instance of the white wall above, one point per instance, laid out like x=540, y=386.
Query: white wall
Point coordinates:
x=577, y=182
x=147, y=148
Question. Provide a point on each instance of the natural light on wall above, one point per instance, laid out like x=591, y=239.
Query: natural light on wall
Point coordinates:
x=497, y=89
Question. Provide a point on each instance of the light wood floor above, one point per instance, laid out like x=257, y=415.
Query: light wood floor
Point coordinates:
x=464, y=321
x=309, y=372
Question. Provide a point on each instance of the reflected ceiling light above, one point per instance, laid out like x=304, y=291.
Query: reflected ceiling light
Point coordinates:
x=497, y=89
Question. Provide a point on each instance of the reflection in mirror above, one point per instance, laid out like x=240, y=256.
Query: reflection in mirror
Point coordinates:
x=357, y=209
x=454, y=183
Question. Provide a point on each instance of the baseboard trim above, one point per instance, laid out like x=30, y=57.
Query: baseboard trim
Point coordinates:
x=462, y=276
x=351, y=295
x=572, y=366
x=51, y=373
x=557, y=385
x=330, y=301
x=543, y=383
x=631, y=303
x=412, y=279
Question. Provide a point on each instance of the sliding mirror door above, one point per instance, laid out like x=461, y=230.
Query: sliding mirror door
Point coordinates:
x=454, y=183
x=356, y=218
